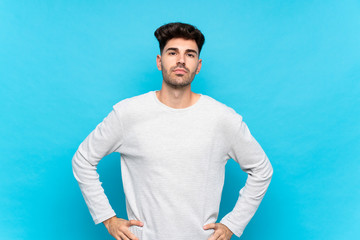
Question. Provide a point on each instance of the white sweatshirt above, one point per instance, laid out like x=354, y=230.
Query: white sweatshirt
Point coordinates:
x=173, y=166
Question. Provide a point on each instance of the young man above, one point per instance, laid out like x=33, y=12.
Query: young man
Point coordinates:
x=174, y=145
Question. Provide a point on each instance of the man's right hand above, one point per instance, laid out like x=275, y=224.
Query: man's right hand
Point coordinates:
x=119, y=228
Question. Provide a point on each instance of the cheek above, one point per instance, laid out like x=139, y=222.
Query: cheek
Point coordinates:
x=195, y=66
x=165, y=65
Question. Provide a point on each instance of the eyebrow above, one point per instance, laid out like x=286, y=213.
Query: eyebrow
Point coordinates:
x=187, y=50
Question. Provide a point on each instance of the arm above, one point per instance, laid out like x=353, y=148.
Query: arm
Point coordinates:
x=104, y=139
x=247, y=152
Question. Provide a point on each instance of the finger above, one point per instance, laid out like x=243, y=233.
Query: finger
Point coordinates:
x=115, y=235
x=136, y=222
x=215, y=236
x=130, y=235
x=210, y=226
x=123, y=237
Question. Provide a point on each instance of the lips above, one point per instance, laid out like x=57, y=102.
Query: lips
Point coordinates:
x=179, y=71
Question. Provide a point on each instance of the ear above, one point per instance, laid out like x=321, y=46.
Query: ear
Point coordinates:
x=158, y=62
x=199, y=66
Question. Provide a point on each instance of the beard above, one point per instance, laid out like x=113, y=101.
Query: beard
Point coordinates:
x=178, y=80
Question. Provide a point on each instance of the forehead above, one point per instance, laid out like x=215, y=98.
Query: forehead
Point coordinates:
x=181, y=44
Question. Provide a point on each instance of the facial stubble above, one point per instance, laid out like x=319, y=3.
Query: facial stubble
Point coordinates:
x=186, y=79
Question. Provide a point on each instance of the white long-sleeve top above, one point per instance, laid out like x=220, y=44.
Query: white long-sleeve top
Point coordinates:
x=173, y=166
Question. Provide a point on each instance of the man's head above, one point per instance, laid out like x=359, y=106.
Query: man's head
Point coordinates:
x=180, y=46
x=179, y=30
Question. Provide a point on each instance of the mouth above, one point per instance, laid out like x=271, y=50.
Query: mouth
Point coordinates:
x=179, y=71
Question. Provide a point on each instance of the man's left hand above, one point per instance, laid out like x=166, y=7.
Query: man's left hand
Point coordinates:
x=222, y=232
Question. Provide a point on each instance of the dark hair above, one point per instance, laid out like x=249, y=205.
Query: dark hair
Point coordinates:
x=178, y=30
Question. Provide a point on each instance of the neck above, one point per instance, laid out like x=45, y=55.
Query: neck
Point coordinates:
x=177, y=98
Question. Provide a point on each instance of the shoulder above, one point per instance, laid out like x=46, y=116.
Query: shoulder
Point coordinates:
x=227, y=119
x=133, y=102
x=221, y=109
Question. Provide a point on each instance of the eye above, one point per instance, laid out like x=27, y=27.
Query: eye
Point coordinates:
x=172, y=53
x=191, y=55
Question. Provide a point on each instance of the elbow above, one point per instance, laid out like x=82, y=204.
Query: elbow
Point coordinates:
x=266, y=171
x=75, y=163
x=78, y=164
x=269, y=171
x=78, y=168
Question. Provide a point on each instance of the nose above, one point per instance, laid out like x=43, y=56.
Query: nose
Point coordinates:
x=181, y=59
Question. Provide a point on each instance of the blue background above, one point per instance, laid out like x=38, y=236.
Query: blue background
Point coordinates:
x=290, y=68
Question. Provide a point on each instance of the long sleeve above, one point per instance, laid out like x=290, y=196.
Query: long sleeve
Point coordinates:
x=104, y=139
x=246, y=151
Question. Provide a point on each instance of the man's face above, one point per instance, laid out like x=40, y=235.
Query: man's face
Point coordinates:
x=179, y=62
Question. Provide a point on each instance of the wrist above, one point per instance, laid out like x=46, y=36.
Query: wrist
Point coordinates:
x=107, y=221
